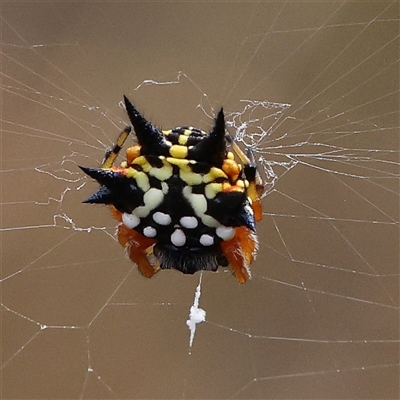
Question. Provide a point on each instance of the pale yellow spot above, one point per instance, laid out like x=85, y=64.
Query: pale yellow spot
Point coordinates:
x=212, y=189
x=230, y=155
x=178, y=151
x=182, y=139
x=197, y=201
x=240, y=183
x=163, y=173
x=152, y=199
x=209, y=221
x=189, y=177
x=141, y=178
x=166, y=133
x=142, y=181
x=199, y=205
x=187, y=132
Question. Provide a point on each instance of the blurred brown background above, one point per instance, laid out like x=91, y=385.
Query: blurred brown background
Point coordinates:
x=320, y=318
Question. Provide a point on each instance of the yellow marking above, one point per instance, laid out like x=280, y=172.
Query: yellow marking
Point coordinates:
x=179, y=162
x=240, y=183
x=142, y=161
x=189, y=177
x=162, y=174
x=166, y=133
x=230, y=155
x=182, y=139
x=131, y=173
x=178, y=151
x=213, y=175
x=188, y=132
x=185, y=171
x=140, y=177
x=212, y=189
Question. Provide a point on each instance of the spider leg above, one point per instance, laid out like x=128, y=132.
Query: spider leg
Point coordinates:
x=256, y=186
x=136, y=247
x=112, y=154
x=239, y=251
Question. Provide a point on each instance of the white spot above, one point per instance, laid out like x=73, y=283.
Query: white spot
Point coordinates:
x=142, y=181
x=164, y=187
x=206, y=240
x=149, y=231
x=161, y=218
x=225, y=232
x=189, y=222
x=178, y=238
x=130, y=220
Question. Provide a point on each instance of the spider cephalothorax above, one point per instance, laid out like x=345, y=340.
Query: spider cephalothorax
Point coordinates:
x=182, y=200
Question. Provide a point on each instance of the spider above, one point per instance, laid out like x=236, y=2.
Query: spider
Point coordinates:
x=181, y=198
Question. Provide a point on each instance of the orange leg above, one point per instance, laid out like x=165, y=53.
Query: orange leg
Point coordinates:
x=136, y=245
x=239, y=251
x=116, y=214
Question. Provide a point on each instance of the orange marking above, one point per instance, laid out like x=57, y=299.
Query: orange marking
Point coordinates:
x=239, y=252
x=232, y=169
x=227, y=187
x=252, y=192
x=116, y=214
x=132, y=153
x=136, y=245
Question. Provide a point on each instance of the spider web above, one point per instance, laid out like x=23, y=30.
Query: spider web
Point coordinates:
x=312, y=89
